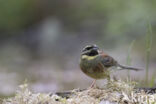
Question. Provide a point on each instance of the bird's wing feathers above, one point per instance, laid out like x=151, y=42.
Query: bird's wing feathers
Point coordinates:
x=108, y=61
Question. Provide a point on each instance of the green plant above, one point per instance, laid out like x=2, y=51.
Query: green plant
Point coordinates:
x=129, y=60
x=148, y=50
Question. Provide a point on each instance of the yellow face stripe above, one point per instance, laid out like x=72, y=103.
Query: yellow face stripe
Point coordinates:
x=88, y=57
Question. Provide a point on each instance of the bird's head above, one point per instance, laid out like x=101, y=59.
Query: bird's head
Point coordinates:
x=90, y=50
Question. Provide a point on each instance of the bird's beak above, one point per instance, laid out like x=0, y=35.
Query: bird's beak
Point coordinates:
x=96, y=48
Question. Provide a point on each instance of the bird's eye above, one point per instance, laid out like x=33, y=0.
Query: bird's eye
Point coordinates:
x=88, y=48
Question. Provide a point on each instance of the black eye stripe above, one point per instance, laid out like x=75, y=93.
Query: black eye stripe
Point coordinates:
x=88, y=48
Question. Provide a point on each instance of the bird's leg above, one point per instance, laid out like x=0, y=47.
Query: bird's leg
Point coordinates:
x=93, y=84
x=109, y=78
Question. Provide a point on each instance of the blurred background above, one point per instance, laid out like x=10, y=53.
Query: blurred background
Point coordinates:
x=41, y=40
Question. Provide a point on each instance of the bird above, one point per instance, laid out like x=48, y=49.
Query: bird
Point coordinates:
x=96, y=63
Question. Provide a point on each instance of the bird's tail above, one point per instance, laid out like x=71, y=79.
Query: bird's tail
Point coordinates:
x=127, y=67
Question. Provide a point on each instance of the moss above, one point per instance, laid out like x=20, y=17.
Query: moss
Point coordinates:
x=114, y=92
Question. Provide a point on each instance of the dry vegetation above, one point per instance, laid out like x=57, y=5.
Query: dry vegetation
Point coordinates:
x=115, y=92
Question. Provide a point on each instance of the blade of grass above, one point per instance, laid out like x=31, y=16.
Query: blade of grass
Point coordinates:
x=152, y=81
x=148, y=50
x=129, y=60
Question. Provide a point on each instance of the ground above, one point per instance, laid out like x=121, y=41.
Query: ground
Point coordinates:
x=114, y=92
